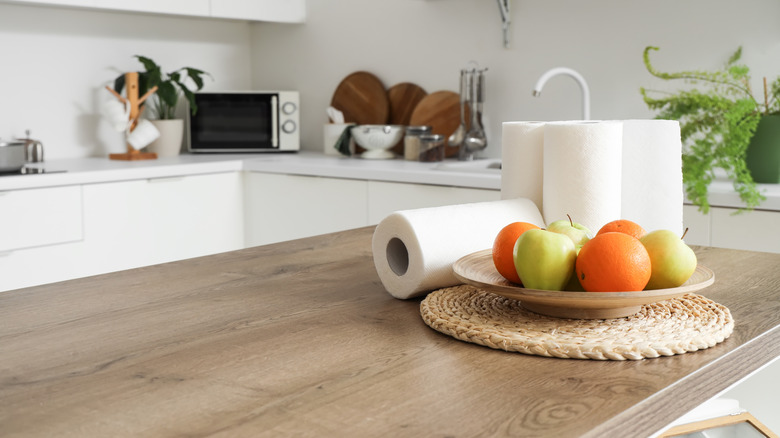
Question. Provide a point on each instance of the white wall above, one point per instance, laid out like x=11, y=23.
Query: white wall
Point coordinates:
x=428, y=41
x=56, y=61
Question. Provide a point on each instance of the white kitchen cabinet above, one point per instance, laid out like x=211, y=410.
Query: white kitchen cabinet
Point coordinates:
x=698, y=225
x=284, y=11
x=40, y=217
x=176, y=7
x=755, y=230
x=41, y=232
x=143, y=222
x=99, y=228
x=387, y=197
x=282, y=207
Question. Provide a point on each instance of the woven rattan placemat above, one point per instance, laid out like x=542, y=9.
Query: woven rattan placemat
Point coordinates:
x=680, y=325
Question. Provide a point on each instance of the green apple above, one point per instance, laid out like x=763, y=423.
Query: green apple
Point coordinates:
x=672, y=262
x=578, y=233
x=544, y=260
x=574, y=283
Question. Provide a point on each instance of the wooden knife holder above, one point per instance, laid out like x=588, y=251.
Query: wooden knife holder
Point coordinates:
x=136, y=105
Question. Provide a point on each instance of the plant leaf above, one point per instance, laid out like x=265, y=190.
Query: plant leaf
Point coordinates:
x=166, y=92
x=119, y=83
x=190, y=96
x=147, y=63
x=196, y=76
x=717, y=123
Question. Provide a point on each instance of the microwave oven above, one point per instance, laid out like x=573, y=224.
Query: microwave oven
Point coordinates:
x=244, y=121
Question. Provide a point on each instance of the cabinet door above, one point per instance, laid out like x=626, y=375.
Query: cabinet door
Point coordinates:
x=756, y=230
x=385, y=197
x=138, y=223
x=283, y=207
x=285, y=11
x=39, y=217
x=698, y=225
x=177, y=7
x=41, y=232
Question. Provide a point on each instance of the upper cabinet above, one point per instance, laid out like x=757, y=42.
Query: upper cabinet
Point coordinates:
x=284, y=11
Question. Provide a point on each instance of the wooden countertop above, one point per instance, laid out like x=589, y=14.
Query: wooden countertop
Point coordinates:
x=300, y=339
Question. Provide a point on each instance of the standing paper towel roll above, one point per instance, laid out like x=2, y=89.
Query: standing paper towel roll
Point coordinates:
x=582, y=172
x=522, y=146
x=652, y=174
x=414, y=249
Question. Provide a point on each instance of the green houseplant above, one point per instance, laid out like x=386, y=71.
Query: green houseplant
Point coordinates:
x=718, y=115
x=170, y=87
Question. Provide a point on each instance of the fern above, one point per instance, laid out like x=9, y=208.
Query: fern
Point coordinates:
x=718, y=116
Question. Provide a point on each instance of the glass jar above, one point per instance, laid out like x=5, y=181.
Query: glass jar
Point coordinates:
x=412, y=141
x=431, y=148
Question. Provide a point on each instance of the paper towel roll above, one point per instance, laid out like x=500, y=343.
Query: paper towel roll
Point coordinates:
x=522, y=146
x=582, y=172
x=652, y=174
x=414, y=249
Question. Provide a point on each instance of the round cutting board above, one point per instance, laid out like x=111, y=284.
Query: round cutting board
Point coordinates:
x=441, y=111
x=362, y=98
x=403, y=98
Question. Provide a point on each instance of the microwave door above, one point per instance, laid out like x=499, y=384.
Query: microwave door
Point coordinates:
x=235, y=122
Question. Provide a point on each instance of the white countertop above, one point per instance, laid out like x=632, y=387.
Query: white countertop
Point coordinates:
x=102, y=170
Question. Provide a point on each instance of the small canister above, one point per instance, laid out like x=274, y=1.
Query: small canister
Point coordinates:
x=431, y=148
x=412, y=141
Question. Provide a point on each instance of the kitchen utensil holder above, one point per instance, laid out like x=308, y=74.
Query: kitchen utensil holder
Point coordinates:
x=136, y=103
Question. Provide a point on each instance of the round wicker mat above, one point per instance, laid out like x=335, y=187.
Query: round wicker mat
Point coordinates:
x=676, y=326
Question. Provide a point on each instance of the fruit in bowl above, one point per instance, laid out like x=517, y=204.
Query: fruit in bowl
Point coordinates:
x=377, y=139
x=673, y=261
x=621, y=257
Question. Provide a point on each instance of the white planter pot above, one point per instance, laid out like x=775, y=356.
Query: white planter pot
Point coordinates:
x=171, y=136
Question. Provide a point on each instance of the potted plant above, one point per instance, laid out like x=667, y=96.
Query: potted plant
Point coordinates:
x=718, y=122
x=170, y=87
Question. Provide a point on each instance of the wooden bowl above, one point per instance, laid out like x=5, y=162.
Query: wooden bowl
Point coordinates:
x=477, y=269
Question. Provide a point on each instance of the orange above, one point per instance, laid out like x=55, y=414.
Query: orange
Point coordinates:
x=504, y=248
x=613, y=262
x=623, y=226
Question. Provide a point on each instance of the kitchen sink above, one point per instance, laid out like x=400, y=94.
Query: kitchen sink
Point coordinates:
x=485, y=165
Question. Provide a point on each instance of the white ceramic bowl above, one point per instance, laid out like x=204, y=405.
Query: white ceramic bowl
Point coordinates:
x=377, y=139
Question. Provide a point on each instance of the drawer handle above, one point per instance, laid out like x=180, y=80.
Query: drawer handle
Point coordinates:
x=165, y=179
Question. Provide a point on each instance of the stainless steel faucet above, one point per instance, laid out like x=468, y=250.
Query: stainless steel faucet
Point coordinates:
x=569, y=72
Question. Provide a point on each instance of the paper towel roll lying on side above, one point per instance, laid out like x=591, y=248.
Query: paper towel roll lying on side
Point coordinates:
x=414, y=249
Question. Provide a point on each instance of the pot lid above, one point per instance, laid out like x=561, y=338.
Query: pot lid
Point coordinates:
x=4, y=143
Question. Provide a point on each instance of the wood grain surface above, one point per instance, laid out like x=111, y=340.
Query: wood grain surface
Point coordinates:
x=362, y=98
x=441, y=111
x=300, y=339
x=403, y=98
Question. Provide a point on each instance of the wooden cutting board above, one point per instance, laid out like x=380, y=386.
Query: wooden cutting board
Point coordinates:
x=403, y=98
x=362, y=98
x=441, y=111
